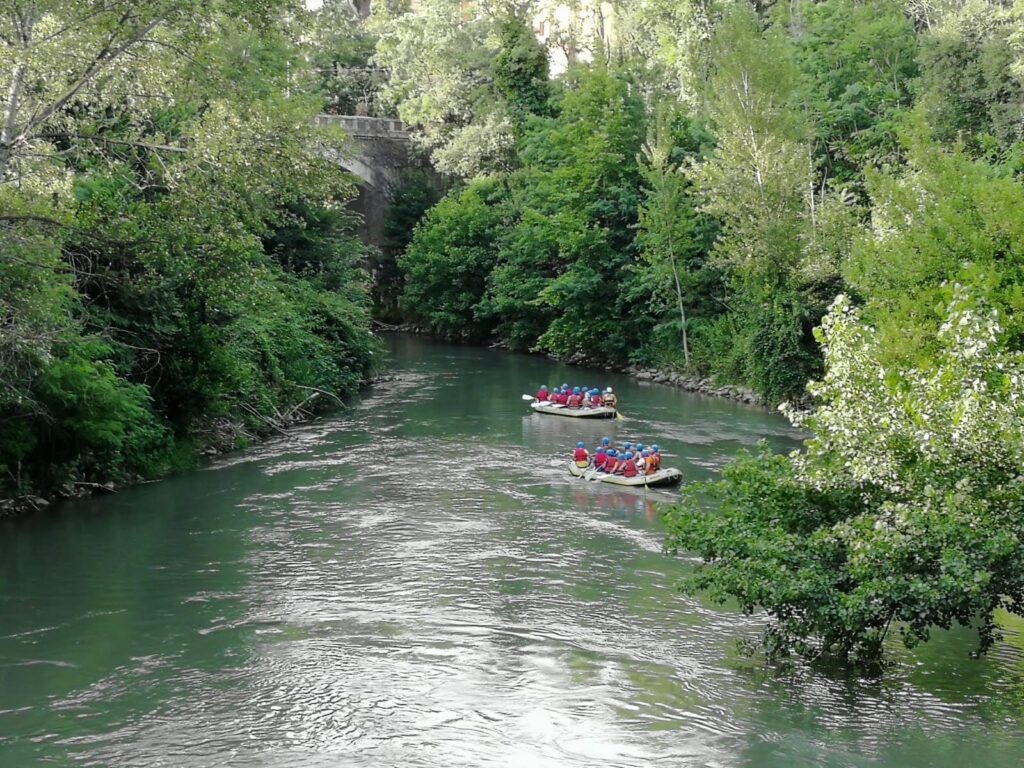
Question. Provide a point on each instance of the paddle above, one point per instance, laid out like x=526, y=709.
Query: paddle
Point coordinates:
x=547, y=404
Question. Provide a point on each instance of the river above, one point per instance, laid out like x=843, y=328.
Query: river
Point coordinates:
x=418, y=582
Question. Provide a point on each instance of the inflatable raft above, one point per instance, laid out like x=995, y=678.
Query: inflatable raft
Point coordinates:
x=576, y=413
x=660, y=479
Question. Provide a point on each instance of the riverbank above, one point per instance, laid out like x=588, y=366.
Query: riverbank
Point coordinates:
x=224, y=441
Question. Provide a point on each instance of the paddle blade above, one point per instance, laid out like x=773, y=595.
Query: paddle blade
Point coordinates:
x=619, y=416
x=529, y=397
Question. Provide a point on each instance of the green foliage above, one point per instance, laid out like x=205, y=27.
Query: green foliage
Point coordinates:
x=948, y=219
x=173, y=278
x=440, y=77
x=859, y=61
x=539, y=260
x=970, y=85
x=341, y=48
x=449, y=258
x=673, y=237
x=411, y=198
x=903, y=511
x=521, y=70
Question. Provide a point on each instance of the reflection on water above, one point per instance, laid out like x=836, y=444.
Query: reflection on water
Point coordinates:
x=420, y=582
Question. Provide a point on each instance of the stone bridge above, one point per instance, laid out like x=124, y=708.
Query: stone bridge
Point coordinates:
x=378, y=151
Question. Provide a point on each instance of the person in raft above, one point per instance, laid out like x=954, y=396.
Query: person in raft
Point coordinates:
x=654, y=462
x=627, y=467
x=600, y=458
x=609, y=399
x=575, y=399
x=649, y=463
x=581, y=457
x=542, y=393
x=612, y=462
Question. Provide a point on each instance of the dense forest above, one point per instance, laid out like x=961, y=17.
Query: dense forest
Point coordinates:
x=768, y=194
x=178, y=271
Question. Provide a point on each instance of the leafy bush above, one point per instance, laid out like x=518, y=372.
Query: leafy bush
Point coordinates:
x=903, y=512
x=447, y=263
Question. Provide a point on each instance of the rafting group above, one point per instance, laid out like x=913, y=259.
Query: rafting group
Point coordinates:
x=577, y=402
x=577, y=397
x=628, y=460
x=626, y=464
x=629, y=464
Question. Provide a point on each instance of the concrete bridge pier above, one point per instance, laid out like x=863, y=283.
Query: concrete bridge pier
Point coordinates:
x=378, y=151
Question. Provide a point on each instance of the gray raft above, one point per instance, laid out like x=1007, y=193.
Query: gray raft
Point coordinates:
x=660, y=479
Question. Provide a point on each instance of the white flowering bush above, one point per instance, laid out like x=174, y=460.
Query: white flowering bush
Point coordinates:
x=904, y=510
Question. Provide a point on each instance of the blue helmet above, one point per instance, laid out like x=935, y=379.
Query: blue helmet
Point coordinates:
x=575, y=390
x=629, y=454
x=605, y=442
x=627, y=446
x=600, y=450
x=544, y=386
x=565, y=386
x=647, y=453
x=612, y=452
x=579, y=445
x=655, y=448
x=639, y=446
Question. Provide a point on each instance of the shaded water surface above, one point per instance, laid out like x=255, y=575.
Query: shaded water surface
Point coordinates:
x=418, y=582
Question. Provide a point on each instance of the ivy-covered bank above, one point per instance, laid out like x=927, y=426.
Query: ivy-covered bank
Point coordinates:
x=178, y=273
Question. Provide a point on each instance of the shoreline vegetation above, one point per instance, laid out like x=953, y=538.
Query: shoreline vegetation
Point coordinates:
x=179, y=272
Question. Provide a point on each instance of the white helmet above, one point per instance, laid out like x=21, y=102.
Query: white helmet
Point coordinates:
x=609, y=390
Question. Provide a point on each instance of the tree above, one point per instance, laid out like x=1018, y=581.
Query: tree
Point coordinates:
x=175, y=272
x=576, y=196
x=56, y=55
x=667, y=216
x=448, y=261
x=521, y=71
x=902, y=512
x=970, y=87
x=758, y=184
x=440, y=78
x=946, y=219
x=859, y=63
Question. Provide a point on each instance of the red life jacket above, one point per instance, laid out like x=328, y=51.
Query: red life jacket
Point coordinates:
x=574, y=401
x=600, y=459
x=561, y=397
x=580, y=454
x=542, y=395
x=653, y=463
x=629, y=468
x=595, y=400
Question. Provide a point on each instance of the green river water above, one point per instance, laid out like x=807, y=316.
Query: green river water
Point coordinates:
x=419, y=582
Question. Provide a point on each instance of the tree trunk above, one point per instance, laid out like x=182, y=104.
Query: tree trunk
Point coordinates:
x=13, y=102
x=679, y=298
